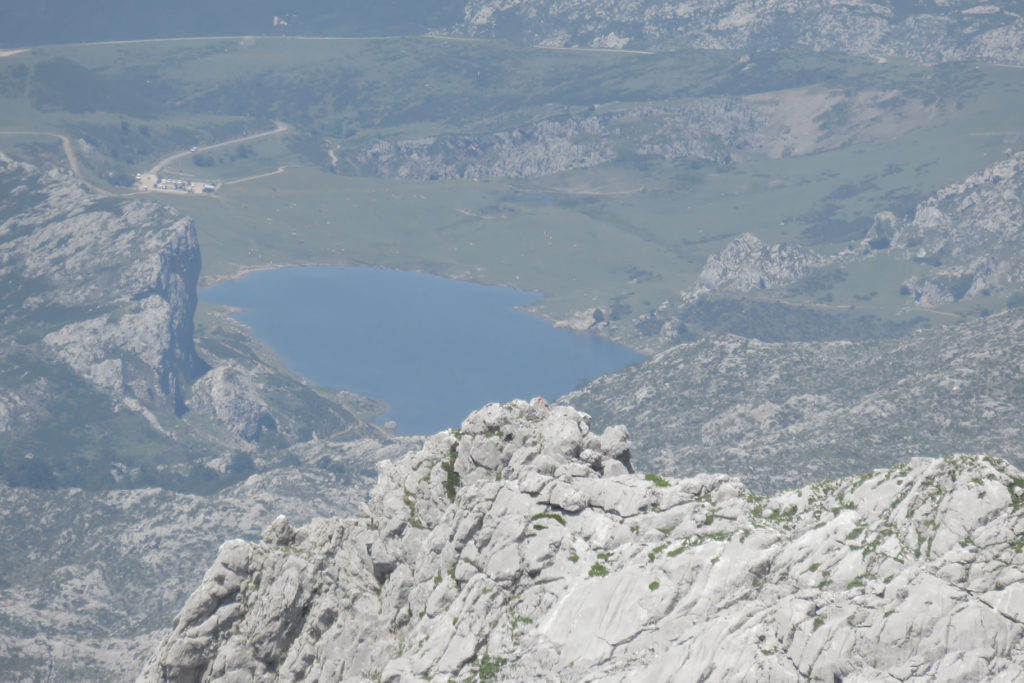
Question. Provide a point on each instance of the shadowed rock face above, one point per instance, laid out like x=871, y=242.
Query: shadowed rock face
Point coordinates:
x=521, y=547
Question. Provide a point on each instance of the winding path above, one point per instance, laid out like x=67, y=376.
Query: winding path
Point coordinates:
x=280, y=169
x=280, y=128
x=65, y=142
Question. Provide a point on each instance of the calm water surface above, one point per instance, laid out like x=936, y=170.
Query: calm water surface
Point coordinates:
x=433, y=349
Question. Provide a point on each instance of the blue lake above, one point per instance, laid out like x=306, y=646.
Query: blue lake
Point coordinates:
x=433, y=349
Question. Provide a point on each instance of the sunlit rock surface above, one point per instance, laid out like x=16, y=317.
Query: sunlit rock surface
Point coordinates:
x=522, y=547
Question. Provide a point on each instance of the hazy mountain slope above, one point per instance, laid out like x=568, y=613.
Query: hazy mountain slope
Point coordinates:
x=925, y=31
x=787, y=414
x=98, y=575
x=519, y=548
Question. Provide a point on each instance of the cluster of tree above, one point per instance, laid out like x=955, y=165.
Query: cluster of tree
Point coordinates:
x=781, y=322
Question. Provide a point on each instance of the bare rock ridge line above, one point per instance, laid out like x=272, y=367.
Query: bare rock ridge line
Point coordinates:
x=522, y=547
x=720, y=129
x=922, y=32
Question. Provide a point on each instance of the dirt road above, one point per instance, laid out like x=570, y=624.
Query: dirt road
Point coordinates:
x=280, y=128
x=65, y=142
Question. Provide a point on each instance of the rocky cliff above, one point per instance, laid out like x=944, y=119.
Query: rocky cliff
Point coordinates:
x=123, y=464
x=99, y=297
x=111, y=285
x=522, y=547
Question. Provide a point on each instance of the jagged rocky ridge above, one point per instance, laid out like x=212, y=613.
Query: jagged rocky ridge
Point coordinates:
x=967, y=238
x=521, y=547
x=706, y=129
x=964, y=241
x=928, y=31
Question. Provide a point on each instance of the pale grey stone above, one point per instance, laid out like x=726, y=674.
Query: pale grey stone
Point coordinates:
x=614, y=468
x=532, y=481
x=567, y=497
x=227, y=394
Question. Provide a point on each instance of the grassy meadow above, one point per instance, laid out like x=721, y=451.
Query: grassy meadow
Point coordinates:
x=625, y=235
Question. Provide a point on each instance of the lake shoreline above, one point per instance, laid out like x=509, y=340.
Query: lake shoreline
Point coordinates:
x=208, y=281
x=424, y=344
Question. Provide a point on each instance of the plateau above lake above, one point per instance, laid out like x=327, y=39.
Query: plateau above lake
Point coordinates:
x=432, y=348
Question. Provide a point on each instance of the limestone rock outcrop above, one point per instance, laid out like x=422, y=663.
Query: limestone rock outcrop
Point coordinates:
x=228, y=394
x=747, y=263
x=522, y=547
x=708, y=129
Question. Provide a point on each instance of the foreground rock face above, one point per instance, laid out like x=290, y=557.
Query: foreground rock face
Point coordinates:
x=522, y=547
